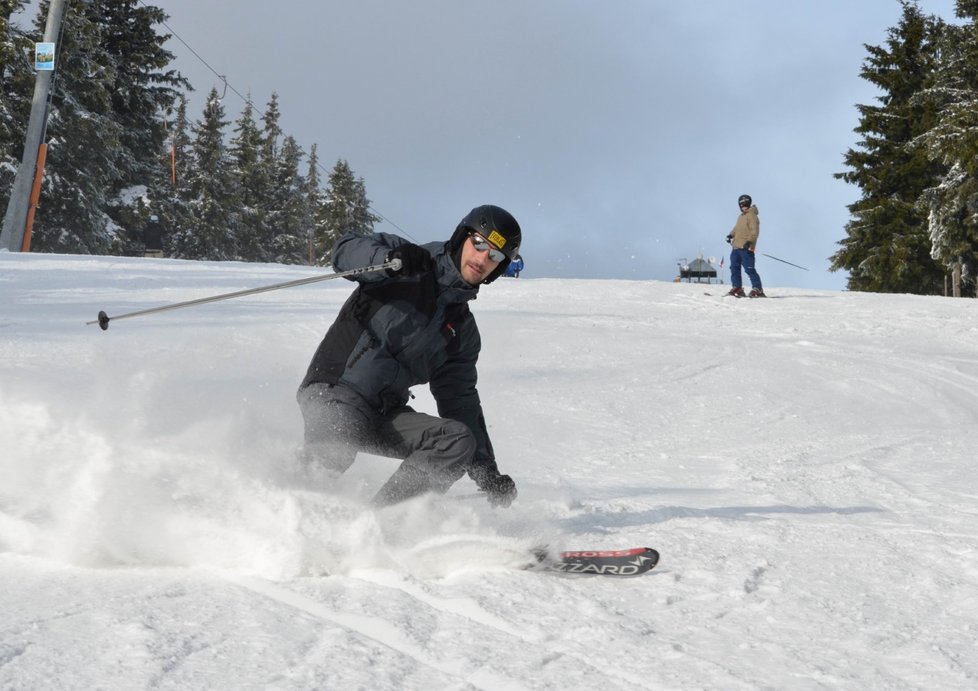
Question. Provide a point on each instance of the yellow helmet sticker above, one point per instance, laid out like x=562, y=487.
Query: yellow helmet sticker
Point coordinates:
x=497, y=239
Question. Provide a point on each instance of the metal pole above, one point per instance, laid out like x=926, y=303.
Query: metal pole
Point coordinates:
x=15, y=220
x=104, y=319
x=784, y=262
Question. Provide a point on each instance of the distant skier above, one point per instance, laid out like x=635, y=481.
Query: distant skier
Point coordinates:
x=514, y=268
x=743, y=239
x=403, y=329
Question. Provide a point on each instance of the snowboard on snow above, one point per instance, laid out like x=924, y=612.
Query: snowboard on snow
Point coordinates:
x=622, y=562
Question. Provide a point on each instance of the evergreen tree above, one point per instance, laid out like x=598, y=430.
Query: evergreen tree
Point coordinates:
x=16, y=87
x=271, y=132
x=254, y=178
x=142, y=90
x=315, y=208
x=888, y=246
x=170, y=195
x=289, y=212
x=109, y=89
x=215, y=202
x=347, y=208
x=79, y=177
x=952, y=203
x=210, y=231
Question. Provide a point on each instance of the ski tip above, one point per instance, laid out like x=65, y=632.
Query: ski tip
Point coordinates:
x=601, y=554
x=618, y=562
x=653, y=555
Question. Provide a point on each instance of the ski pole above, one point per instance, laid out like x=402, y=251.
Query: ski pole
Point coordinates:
x=784, y=262
x=104, y=319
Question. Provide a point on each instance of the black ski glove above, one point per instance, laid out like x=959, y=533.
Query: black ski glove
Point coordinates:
x=414, y=260
x=747, y=246
x=730, y=239
x=500, y=490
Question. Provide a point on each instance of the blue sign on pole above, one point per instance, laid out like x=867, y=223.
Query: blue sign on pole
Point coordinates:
x=43, y=56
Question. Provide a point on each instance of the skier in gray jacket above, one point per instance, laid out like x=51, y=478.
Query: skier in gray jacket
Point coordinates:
x=402, y=329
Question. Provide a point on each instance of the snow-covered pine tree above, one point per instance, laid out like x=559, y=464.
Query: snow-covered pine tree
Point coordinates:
x=143, y=90
x=254, y=179
x=887, y=248
x=80, y=178
x=952, y=203
x=315, y=207
x=210, y=233
x=287, y=219
x=267, y=162
x=110, y=87
x=271, y=132
x=169, y=195
x=347, y=207
x=16, y=88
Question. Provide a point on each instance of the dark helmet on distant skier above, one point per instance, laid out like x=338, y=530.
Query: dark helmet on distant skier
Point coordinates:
x=744, y=200
x=497, y=226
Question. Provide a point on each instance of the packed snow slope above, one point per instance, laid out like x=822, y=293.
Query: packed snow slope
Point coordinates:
x=805, y=464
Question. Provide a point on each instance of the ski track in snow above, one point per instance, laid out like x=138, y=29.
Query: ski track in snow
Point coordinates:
x=804, y=464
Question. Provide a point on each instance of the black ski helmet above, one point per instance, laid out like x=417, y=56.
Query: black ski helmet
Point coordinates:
x=744, y=200
x=497, y=226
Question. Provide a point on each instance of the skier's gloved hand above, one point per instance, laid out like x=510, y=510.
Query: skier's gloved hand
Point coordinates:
x=500, y=490
x=748, y=246
x=414, y=260
x=730, y=239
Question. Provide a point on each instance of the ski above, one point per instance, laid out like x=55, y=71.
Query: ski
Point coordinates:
x=622, y=562
x=728, y=295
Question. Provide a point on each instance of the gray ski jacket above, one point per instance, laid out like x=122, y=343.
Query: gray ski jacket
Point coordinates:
x=397, y=332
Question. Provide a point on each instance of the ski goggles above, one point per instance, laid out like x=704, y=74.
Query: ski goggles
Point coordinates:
x=482, y=245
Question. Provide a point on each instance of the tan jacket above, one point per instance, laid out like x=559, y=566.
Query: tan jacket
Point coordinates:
x=747, y=228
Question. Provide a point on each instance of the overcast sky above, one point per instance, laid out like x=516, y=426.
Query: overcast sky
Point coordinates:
x=618, y=132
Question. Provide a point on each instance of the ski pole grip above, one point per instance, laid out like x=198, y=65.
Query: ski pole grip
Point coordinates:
x=395, y=265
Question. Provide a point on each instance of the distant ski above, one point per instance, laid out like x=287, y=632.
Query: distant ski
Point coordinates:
x=728, y=295
x=623, y=562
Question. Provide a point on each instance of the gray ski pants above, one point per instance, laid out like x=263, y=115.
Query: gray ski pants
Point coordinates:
x=338, y=423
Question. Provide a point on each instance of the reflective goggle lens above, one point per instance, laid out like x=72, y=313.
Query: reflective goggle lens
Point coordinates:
x=482, y=245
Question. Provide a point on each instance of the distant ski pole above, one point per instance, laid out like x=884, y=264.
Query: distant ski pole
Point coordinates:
x=784, y=262
x=104, y=319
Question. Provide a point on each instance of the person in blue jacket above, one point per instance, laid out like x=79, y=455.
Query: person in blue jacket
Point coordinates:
x=406, y=328
x=514, y=268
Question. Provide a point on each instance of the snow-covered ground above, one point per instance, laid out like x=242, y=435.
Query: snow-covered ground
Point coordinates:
x=805, y=464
